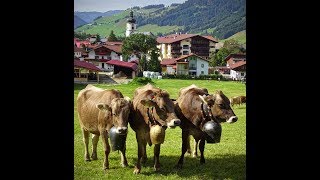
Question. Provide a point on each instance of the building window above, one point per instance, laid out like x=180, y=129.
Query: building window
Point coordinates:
x=96, y=57
x=202, y=72
x=102, y=65
x=242, y=74
x=185, y=46
x=132, y=27
x=202, y=65
x=185, y=52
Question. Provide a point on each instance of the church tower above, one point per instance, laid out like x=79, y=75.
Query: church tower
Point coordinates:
x=131, y=25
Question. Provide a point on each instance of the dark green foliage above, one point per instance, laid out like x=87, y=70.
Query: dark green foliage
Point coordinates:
x=98, y=38
x=154, y=63
x=81, y=36
x=141, y=80
x=226, y=17
x=201, y=77
x=112, y=37
x=229, y=47
x=139, y=44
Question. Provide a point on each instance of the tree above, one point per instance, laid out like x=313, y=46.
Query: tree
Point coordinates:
x=154, y=63
x=112, y=37
x=98, y=38
x=229, y=47
x=141, y=45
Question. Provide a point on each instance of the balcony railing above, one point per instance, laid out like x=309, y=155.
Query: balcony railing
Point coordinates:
x=192, y=68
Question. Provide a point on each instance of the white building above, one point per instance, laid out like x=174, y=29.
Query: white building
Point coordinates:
x=187, y=65
x=131, y=25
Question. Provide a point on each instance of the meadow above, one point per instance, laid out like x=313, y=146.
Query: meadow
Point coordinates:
x=225, y=160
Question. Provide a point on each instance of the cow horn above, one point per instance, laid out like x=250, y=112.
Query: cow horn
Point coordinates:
x=202, y=98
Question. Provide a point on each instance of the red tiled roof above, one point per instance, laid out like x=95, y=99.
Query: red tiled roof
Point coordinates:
x=210, y=38
x=114, y=48
x=76, y=49
x=132, y=66
x=86, y=65
x=178, y=37
x=243, y=56
x=113, y=43
x=168, y=62
x=175, y=60
x=238, y=64
x=191, y=54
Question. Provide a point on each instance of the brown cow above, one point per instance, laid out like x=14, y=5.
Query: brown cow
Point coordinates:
x=98, y=111
x=238, y=100
x=190, y=109
x=151, y=106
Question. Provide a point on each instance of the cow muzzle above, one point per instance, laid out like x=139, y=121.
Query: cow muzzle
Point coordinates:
x=122, y=130
x=173, y=123
x=232, y=119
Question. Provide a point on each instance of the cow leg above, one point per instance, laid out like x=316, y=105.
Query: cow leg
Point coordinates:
x=201, y=147
x=185, y=135
x=106, y=146
x=144, y=157
x=95, y=139
x=156, y=157
x=141, y=152
x=195, y=150
x=124, y=161
x=85, y=135
x=188, y=146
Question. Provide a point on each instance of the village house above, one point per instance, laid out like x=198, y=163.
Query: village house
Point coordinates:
x=191, y=64
x=237, y=65
x=175, y=45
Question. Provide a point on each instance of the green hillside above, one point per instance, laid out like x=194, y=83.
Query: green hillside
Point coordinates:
x=219, y=18
x=240, y=37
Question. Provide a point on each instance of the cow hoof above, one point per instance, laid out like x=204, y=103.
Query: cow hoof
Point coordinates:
x=194, y=155
x=136, y=171
x=87, y=159
x=202, y=161
x=124, y=165
x=156, y=167
x=105, y=168
x=94, y=157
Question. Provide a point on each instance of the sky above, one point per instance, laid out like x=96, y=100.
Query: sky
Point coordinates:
x=106, y=5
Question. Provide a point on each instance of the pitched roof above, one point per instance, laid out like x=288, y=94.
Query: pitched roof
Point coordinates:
x=168, y=62
x=238, y=64
x=132, y=66
x=178, y=37
x=113, y=43
x=175, y=60
x=76, y=49
x=86, y=65
x=115, y=48
x=242, y=56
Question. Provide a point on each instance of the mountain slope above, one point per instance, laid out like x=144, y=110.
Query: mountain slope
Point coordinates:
x=239, y=36
x=220, y=18
x=78, y=22
x=92, y=15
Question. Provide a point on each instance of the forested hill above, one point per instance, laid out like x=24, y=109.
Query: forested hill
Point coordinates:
x=220, y=18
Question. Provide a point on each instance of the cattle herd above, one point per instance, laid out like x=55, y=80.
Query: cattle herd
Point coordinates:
x=151, y=110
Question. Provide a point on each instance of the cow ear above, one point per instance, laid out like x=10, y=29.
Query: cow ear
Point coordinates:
x=103, y=107
x=147, y=102
x=207, y=99
x=203, y=98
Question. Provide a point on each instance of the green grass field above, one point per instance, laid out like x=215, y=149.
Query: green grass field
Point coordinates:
x=225, y=160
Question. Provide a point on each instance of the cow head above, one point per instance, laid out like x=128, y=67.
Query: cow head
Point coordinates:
x=162, y=108
x=220, y=107
x=119, y=109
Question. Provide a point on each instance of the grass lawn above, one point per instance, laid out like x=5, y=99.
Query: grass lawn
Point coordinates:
x=225, y=160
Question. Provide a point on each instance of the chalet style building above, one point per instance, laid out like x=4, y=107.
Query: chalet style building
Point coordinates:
x=175, y=45
x=191, y=64
x=237, y=65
